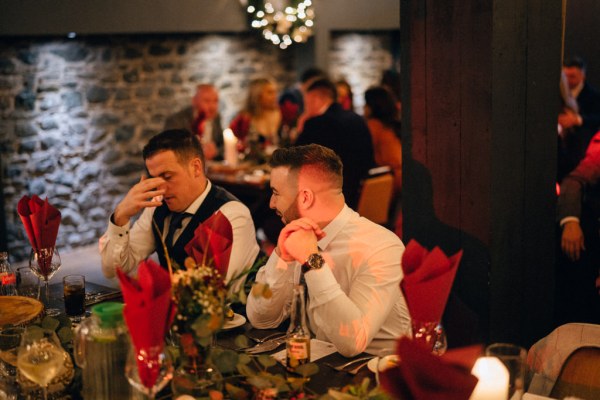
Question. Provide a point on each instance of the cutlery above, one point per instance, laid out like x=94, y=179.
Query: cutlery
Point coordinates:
x=342, y=368
x=266, y=346
x=272, y=336
x=98, y=297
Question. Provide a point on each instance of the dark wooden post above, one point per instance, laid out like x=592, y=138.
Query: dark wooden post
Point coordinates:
x=479, y=135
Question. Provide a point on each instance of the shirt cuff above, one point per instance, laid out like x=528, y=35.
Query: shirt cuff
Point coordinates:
x=568, y=219
x=322, y=285
x=116, y=232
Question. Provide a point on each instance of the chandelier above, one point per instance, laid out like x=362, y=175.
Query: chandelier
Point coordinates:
x=281, y=22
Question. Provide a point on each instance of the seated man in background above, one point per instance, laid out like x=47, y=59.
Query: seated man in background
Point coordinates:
x=203, y=119
x=351, y=265
x=177, y=197
x=345, y=132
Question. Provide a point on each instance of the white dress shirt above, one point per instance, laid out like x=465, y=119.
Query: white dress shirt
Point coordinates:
x=123, y=247
x=354, y=300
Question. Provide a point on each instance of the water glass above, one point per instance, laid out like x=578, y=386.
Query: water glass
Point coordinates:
x=28, y=283
x=514, y=358
x=74, y=295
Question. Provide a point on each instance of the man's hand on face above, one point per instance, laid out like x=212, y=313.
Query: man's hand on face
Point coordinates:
x=298, y=240
x=139, y=196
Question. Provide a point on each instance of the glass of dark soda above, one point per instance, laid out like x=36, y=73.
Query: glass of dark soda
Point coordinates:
x=74, y=294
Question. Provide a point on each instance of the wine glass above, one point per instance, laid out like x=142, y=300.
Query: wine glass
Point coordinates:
x=40, y=357
x=44, y=263
x=431, y=335
x=156, y=369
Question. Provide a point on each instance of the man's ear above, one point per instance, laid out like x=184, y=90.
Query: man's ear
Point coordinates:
x=306, y=198
x=197, y=167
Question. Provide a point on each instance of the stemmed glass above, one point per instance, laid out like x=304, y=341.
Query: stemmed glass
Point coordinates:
x=156, y=366
x=40, y=357
x=44, y=263
x=431, y=335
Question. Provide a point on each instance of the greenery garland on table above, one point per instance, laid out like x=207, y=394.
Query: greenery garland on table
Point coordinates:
x=292, y=23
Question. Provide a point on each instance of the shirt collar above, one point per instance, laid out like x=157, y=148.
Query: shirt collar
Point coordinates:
x=199, y=200
x=335, y=226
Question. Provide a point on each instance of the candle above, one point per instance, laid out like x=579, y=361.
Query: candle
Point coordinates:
x=230, y=144
x=493, y=379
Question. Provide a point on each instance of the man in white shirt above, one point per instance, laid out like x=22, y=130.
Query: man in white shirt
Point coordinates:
x=351, y=265
x=177, y=191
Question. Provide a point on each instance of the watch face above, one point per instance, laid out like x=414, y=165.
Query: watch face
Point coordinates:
x=315, y=261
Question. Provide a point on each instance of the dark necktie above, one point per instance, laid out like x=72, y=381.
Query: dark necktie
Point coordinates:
x=174, y=224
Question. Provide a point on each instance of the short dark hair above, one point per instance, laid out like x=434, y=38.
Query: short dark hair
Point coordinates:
x=576, y=62
x=182, y=142
x=324, y=86
x=314, y=155
x=382, y=103
x=311, y=73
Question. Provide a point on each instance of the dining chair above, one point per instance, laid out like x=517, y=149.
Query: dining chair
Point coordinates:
x=376, y=195
x=580, y=375
x=559, y=362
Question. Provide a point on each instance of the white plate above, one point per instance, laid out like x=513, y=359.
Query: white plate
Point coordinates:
x=383, y=363
x=238, y=320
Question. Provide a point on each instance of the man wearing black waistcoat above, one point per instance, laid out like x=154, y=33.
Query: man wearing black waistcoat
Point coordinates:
x=176, y=198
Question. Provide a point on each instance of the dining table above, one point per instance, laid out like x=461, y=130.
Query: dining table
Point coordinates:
x=248, y=181
x=319, y=383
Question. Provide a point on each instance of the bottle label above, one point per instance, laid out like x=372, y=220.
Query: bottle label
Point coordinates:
x=298, y=352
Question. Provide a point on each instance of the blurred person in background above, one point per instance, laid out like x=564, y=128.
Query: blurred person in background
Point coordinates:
x=345, y=97
x=577, y=127
x=345, y=132
x=203, y=119
x=384, y=124
x=260, y=120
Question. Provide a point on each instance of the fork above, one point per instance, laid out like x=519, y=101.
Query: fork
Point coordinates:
x=274, y=335
x=342, y=368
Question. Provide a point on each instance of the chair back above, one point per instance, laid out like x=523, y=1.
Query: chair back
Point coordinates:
x=375, y=197
x=558, y=361
x=580, y=375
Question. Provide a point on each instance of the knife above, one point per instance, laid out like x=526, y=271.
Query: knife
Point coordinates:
x=266, y=346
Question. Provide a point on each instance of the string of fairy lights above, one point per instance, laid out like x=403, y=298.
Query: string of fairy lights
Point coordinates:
x=281, y=24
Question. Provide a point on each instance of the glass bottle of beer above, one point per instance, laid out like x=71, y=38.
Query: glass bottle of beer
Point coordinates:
x=298, y=334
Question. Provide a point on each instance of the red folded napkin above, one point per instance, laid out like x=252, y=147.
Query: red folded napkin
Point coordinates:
x=428, y=278
x=421, y=375
x=41, y=221
x=211, y=244
x=148, y=312
x=240, y=126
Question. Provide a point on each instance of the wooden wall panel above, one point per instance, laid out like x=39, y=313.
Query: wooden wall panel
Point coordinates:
x=479, y=119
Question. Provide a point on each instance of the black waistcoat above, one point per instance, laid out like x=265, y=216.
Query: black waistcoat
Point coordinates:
x=216, y=197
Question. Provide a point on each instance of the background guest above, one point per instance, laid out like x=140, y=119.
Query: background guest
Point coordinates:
x=345, y=132
x=384, y=124
x=578, y=128
x=202, y=118
x=296, y=95
x=260, y=119
x=577, y=298
x=344, y=95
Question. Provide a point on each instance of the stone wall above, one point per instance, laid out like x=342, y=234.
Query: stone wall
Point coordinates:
x=75, y=114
